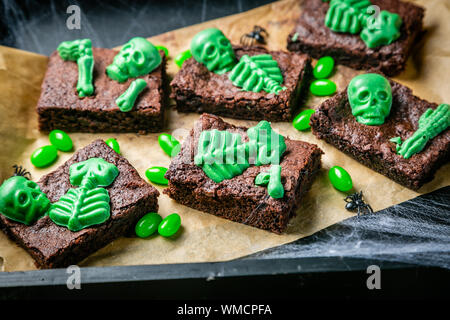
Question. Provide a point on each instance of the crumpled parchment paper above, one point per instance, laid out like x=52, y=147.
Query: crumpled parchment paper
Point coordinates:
x=204, y=237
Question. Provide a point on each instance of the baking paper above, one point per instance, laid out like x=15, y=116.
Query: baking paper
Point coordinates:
x=204, y=237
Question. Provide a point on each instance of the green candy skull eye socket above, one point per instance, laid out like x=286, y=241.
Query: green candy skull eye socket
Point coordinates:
x=21, y=200
x=136, y=58
x=211, y=48
x=370, y=97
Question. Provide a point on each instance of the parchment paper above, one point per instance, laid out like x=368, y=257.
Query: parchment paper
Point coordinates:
x=205, y=237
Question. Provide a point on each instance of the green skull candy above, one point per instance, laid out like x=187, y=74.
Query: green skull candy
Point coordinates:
x=214, y=50
x=21, y=200
x=136, y=58
x=370, y=97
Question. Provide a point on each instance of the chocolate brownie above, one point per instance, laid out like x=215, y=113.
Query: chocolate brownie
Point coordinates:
x=60, y=107
x=316, y=39
x=333, y=121
x=53, y=246
x=239, y=199
x=196, y=89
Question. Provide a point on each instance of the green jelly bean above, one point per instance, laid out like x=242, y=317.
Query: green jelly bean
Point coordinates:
x=166, y=51
x=169, y=144
x=324, y=67
x=322, y=87
x=113, y=144
x=340, y=179
x=148, y=225
x=183, y=56
x=156, y=175
x=44, y=156
x=170, y=225
x=301, y=121
x=60, y=140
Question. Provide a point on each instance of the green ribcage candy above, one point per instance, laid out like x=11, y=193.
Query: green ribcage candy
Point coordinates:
x=89, y=204
x=257, y=73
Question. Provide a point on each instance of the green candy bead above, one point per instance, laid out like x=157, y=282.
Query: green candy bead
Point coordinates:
x=60, y=140
x=169, y=144
x=322, y=87
x=340, y=179
x=324, y=67
x=180, y=58
x=301, y=121
x=166, y=51
x=113, y=144
x=44, y=156
x=148, y=225
x=156, y=175
x=170, y=225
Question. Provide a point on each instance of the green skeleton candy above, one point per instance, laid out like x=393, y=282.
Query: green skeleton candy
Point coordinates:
x=137, y=57
x=221, y=154
x=431, y=123
x=22, y=200
x=382, y=30
x=89, y=204
x=127, y=99
x=346, y=15
x=271, y=179
x=211, y=48
x=265, y=145
x=81, y=52
x=257, y=73
x=370, y=97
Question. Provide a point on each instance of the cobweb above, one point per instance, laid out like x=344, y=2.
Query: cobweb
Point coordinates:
x=416, y=231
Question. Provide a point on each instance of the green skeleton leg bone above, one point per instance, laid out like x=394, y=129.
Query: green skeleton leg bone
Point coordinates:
x=272, y=179
x=127, y=99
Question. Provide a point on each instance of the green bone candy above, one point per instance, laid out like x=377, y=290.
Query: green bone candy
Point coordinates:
x=272, y=179
x=211, y=48
x=301, y=121
x=156, y=175
x=340, y=179
x=89, y=204
x=113, y=144
x=346, y=15
x=60, y=140
x=256, y=73
x=44, y=156
x=148, y=225
x=137, y=57
x=322, y=87
x=22, y=200
x=127, y=99
x=170, y=225
x=431, y=123
x=182, y=57
x=324, y=67
x=169, y=144
x=81, y=52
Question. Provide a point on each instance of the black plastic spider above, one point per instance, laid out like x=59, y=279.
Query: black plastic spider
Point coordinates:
x=21, y=171
x=355, y=202
x=257, y=35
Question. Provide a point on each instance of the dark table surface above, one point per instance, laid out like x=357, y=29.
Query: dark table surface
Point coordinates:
x=412, y=239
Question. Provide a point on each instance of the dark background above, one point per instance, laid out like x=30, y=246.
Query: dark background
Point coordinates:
x=409, y=241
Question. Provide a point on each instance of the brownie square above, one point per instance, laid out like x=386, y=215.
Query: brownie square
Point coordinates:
x=60, y=107
x=239, y=199
x=316, y=39
x=333, y=121
x=53, y=246
x=196, y=89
